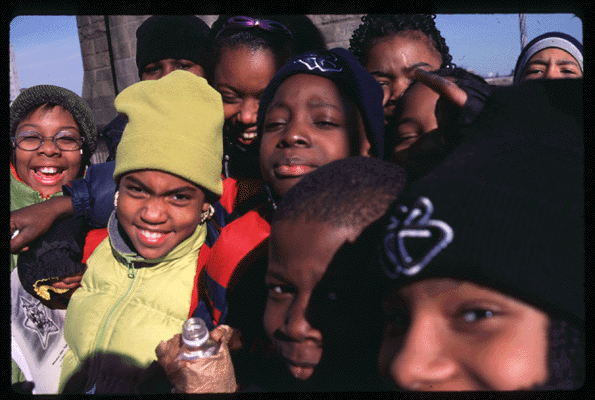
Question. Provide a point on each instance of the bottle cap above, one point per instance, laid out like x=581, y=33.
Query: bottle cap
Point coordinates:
x=194, y=332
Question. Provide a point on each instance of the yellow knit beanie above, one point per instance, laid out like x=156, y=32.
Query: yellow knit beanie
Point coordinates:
x=175, y=125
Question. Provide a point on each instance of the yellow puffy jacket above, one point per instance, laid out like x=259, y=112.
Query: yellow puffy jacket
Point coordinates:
x=124, y=308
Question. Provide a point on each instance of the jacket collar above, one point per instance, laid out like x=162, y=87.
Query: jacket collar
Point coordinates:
x=125, y=254
x=25, y=193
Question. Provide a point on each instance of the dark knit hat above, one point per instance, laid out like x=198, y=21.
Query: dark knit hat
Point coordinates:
x=505, y=209
x=341, y=67
x=52, y=257
x=170, y=36
x=548, y=40
x=42, y=94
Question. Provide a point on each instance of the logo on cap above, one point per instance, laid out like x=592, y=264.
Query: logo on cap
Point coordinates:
x=322, y=62
x=413, y=240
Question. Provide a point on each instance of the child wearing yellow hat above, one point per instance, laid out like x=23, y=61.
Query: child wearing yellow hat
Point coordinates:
x=140, y=280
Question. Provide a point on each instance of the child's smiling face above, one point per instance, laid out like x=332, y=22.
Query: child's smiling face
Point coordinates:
x=445, y=334
x=48, y=168
x=307, y=125
x=299, y=255
x=158, y=210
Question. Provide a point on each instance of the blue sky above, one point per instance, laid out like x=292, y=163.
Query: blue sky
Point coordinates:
x=47, y=48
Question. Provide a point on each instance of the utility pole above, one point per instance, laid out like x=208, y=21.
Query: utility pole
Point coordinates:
x=523, y=27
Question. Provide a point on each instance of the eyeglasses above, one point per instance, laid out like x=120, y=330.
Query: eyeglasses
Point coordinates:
x=241, y=22
x=31, y=141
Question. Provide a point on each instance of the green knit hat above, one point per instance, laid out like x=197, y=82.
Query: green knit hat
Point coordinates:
x=175, y=124
x=42, y=94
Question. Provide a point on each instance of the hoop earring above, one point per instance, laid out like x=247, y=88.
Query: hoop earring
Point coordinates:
x=206, y=215
x=116, y=199
x=81, y=152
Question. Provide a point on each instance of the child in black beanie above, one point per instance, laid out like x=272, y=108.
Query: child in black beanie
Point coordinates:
x=485, y=254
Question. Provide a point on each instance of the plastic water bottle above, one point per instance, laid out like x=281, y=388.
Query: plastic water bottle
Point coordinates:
x=197, y=343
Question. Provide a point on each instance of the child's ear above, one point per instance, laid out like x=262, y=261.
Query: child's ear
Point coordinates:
x=205, y=206
x=364, y=143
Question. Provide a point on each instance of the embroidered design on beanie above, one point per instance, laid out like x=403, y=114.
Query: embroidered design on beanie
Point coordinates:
x=323, y=62
x=413, y=239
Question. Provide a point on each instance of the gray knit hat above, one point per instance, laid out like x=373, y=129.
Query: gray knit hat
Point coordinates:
x=42, y=94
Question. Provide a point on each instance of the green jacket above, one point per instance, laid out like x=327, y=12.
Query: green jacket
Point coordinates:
x=125, y=307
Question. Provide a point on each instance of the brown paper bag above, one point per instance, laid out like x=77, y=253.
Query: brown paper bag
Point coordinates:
x=213, y=374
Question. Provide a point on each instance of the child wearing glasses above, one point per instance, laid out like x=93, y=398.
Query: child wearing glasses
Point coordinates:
x=53, y=136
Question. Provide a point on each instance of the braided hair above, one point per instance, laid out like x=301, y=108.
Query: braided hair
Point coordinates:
x=375, y=26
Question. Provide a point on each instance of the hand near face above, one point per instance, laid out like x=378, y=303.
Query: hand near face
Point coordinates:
x=35, y=220
x=442, y=86
x=429, y=106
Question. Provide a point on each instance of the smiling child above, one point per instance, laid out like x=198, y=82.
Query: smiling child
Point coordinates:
x=53, y=136
x=139, y=284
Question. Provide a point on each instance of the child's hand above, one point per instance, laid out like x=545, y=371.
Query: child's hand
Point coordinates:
x=442, y=86
x=35, y=220
x=70, y=282
x=213, y=374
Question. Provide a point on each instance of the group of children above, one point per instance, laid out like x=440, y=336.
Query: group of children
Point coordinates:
x=303, y=264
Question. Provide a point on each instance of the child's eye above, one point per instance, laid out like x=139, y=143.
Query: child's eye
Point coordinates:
x=230, y=99
x=533, y=71
x=181, y=197
x=273, y=125
x=151, y=69
x=475, y=315
x=135, y=189
x=278, y=289
x=326, y=123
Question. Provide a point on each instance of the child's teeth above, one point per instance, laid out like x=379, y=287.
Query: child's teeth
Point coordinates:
x=249, y=135
x=48, y=170
x=151, y=235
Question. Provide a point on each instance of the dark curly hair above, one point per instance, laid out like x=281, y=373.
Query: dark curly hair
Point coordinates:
x=375, y=26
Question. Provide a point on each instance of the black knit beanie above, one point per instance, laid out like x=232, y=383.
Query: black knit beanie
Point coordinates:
x=341, y=67
x=53, y=256
x=171, y=36
x=505, y=210
x=42, y=94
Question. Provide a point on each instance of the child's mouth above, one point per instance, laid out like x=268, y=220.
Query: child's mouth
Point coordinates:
x=48, y=175
x=294, y=170
x=301, y=373
x=247, y=138
x=152, y=238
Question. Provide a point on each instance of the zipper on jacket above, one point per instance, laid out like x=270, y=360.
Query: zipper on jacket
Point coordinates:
x=92, y=377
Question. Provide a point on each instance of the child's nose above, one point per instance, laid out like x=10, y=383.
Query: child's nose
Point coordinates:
x=48, y=147
x=249, y=111
x=297, y=326
x=295, y=135
x=153, y=211
x=424, y=361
